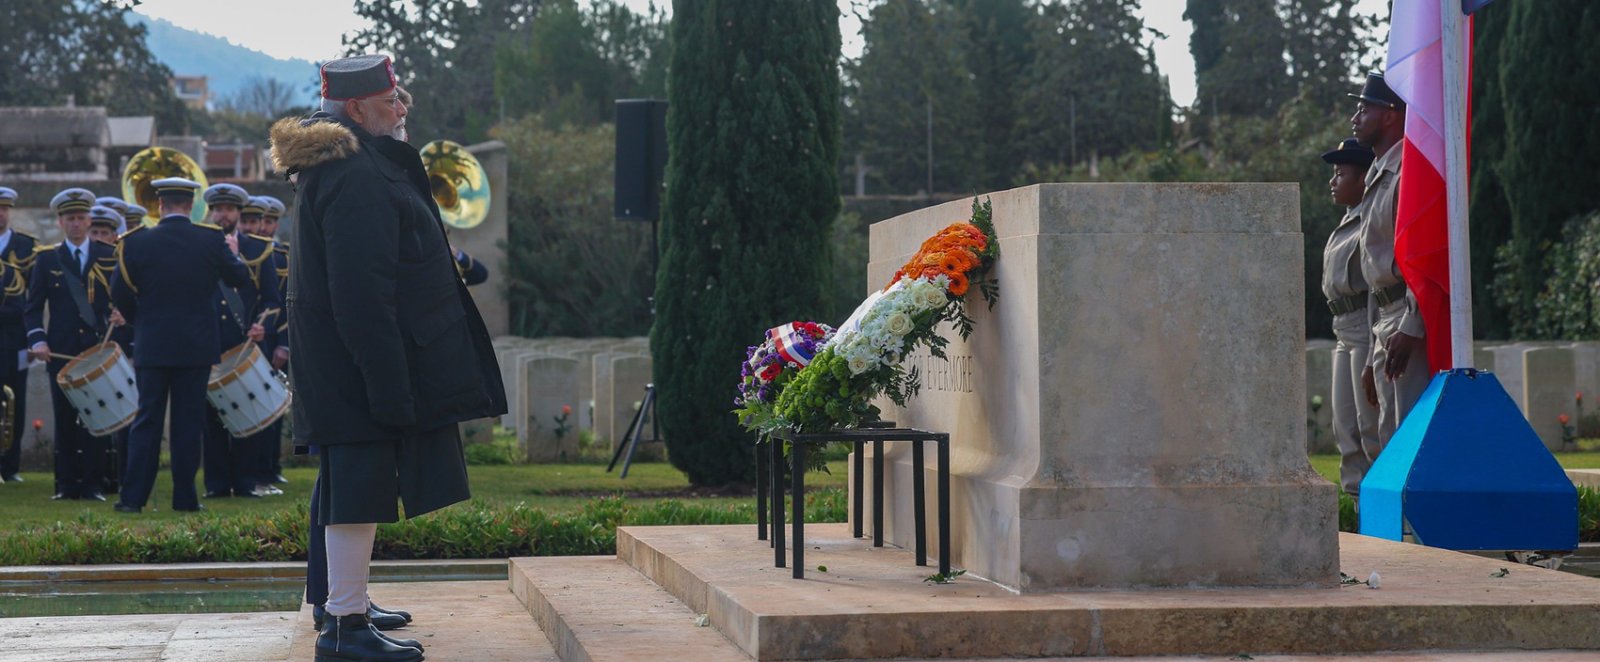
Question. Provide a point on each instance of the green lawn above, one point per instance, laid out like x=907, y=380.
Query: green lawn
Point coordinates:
x=1328, y=465
x=552, y=487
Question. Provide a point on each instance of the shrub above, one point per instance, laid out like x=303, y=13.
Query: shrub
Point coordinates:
x=473, y=530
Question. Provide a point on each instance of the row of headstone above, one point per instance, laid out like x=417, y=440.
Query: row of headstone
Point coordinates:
x=558, y=387
x=1543, y=378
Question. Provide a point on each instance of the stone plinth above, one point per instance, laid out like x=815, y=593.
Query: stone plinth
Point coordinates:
x=1132, y=412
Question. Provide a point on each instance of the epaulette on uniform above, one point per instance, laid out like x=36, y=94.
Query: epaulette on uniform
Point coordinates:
x=129, y=232
x=265, y=239
x=218, y=228
x=19, y=232
x=40, y=248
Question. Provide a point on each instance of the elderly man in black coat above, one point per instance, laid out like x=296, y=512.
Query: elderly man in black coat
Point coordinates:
x=390, y=351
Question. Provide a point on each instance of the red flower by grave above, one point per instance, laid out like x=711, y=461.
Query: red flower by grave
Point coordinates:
x=1564, y=419
x=566, y=410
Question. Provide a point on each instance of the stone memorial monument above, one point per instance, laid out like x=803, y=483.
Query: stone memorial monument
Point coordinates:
x=1132, y=411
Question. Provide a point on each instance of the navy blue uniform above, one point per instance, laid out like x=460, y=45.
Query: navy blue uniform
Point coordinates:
x=17, y=254
x=273, y=450
x=80, y=458
x=166, y=287
x=235, y=466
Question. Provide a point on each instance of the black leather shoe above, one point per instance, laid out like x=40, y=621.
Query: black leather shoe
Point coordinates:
x=125, y=508
x=408, y=643
x=13, y=478
x=197, y=508
x=372, y=606
x=383, y=620
x=92, y=496
x=352, y=638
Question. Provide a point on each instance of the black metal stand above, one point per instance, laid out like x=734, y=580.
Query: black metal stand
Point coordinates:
x=630, y=440
x=798, y=442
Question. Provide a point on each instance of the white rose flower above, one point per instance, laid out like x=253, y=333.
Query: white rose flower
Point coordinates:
x=858, y=365
x=930, y=298
x=899, y=324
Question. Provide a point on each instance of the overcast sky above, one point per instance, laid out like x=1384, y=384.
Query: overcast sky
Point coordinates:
x=310, y=29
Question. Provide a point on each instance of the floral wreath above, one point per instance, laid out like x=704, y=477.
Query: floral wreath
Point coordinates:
x=810, y=377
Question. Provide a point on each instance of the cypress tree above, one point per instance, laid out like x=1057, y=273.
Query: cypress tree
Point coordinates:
x=1552, y=138
x=753, y=137
x=1239, y=62
x=1489, y=218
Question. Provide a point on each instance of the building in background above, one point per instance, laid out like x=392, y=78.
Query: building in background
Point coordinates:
x=193, y=90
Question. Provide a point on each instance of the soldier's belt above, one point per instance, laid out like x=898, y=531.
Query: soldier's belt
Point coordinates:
x=1390, y=294
x=1348, y=304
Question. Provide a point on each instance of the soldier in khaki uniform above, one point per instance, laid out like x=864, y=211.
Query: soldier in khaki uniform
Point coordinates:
x=1398, y=371
x=1355, y=420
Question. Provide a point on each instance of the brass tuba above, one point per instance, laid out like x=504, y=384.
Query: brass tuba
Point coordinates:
x=458, y=182
x=151, y=164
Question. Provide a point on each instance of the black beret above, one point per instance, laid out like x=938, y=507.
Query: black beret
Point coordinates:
x=1352, y=152
x=357, y=77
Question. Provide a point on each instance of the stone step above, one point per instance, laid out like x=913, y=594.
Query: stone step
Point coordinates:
x=597, y=608
x=874, y=604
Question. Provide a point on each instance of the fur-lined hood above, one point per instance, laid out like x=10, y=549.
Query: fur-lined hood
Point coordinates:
x=298, y=144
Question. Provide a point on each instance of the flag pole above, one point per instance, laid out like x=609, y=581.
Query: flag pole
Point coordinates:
x=1455, y=40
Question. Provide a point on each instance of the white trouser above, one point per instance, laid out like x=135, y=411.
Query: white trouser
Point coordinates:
x=349, y=558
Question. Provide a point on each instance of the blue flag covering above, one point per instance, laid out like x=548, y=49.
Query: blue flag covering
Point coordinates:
x=1469, y=6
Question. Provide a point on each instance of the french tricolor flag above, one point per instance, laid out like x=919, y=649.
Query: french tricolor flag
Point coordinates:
x=1417, y=72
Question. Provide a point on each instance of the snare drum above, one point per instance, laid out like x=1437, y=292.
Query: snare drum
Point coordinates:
x=246, y=392
x=101, y=387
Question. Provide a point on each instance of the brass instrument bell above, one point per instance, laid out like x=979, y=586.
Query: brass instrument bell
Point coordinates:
x=151, y=164
x=459, y=183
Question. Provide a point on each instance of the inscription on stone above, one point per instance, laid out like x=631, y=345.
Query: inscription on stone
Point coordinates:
x=951, y=376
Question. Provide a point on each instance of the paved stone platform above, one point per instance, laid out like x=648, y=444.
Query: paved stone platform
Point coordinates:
x=872, y=604
x=477, y=621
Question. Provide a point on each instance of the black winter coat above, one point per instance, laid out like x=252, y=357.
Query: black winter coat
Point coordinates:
x=384, y=337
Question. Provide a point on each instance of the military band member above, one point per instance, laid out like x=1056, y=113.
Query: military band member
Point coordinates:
x=103, y=223
x=105, y=226
x=166, y=284
x=230, y=466
x=134, y=217
x=1397, y=373
x=71, y=281
x=265, y=227
x=16, y=251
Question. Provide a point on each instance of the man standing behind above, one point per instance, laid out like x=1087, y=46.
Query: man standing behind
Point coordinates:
x=70, y=280
x=390, y=352
x=1355, y=420
x=16, y=250
x=228, y=461
x=1398, y=371
x=166, y=278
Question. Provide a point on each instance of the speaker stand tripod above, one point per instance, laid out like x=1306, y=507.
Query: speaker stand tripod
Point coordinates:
x=630, y=440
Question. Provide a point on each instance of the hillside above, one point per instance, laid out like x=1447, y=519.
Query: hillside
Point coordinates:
x=229, y=66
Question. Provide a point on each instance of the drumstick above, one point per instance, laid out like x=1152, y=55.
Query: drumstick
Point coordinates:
x=262, y=318
x=68, y=357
